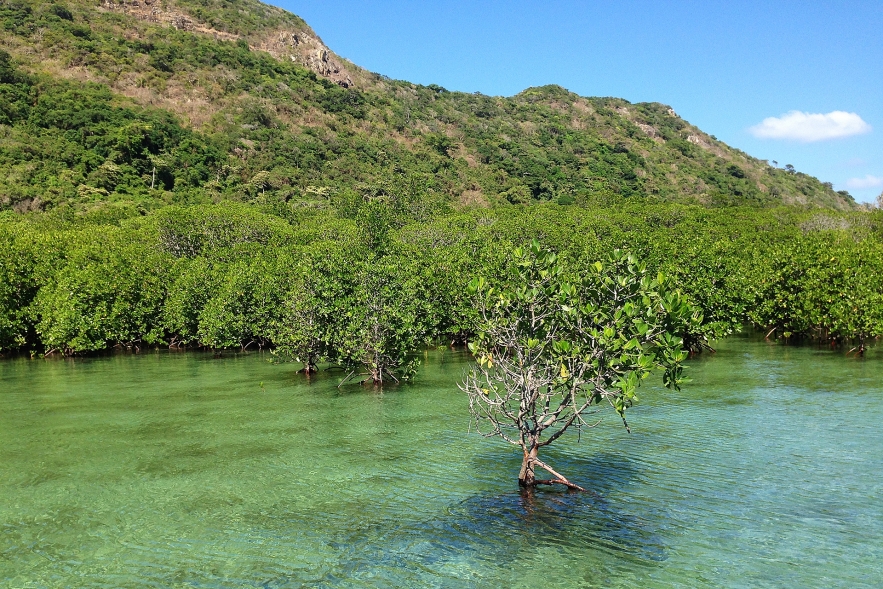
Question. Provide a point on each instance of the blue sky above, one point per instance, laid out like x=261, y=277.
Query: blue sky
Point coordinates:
x=723, y=66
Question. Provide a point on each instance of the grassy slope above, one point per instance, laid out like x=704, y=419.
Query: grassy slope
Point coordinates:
x=261, y=114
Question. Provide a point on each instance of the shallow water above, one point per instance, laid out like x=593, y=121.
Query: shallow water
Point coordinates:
x=181, y=470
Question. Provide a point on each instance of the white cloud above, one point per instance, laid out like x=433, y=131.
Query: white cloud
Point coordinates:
x=864, y=183
x=808, y=127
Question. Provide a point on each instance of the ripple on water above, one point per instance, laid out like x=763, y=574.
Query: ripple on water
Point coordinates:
x=182, y=471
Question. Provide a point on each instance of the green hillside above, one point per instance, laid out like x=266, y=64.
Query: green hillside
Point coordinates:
x=130, y=105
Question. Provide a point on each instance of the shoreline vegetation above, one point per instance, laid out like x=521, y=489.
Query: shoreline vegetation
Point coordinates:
x=370, y=285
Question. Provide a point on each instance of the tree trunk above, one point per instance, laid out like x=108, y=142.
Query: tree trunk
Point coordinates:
x=310, y=364
x=527, y=478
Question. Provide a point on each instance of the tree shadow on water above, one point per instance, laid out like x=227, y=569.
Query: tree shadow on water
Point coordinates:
x=508, y=527
x=601, y=519
x=482, y=539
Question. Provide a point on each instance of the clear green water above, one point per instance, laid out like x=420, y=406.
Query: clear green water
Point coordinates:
x=180, y=470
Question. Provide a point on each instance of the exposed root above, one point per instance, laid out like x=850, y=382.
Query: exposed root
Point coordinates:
x=558, y=480
x=346, y=378
x=372, y=378
x=859, y=351
x=564, y=482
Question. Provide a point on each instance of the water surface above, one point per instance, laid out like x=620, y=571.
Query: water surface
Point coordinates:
x=182, y=470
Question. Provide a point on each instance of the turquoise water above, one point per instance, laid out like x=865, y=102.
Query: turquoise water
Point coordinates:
x=182, y=470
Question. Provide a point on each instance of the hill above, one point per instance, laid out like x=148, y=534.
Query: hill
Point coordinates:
x=135, y=104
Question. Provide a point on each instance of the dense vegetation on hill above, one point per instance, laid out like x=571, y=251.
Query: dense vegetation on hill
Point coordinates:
x=143, y=105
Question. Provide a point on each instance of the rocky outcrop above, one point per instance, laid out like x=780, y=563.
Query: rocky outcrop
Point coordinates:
x=300, y=46
x=651, y=131
x=153, y=11
x=698, y=140
x=308, y=50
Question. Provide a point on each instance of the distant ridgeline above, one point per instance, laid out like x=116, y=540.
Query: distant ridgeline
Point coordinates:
x=135, y=104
